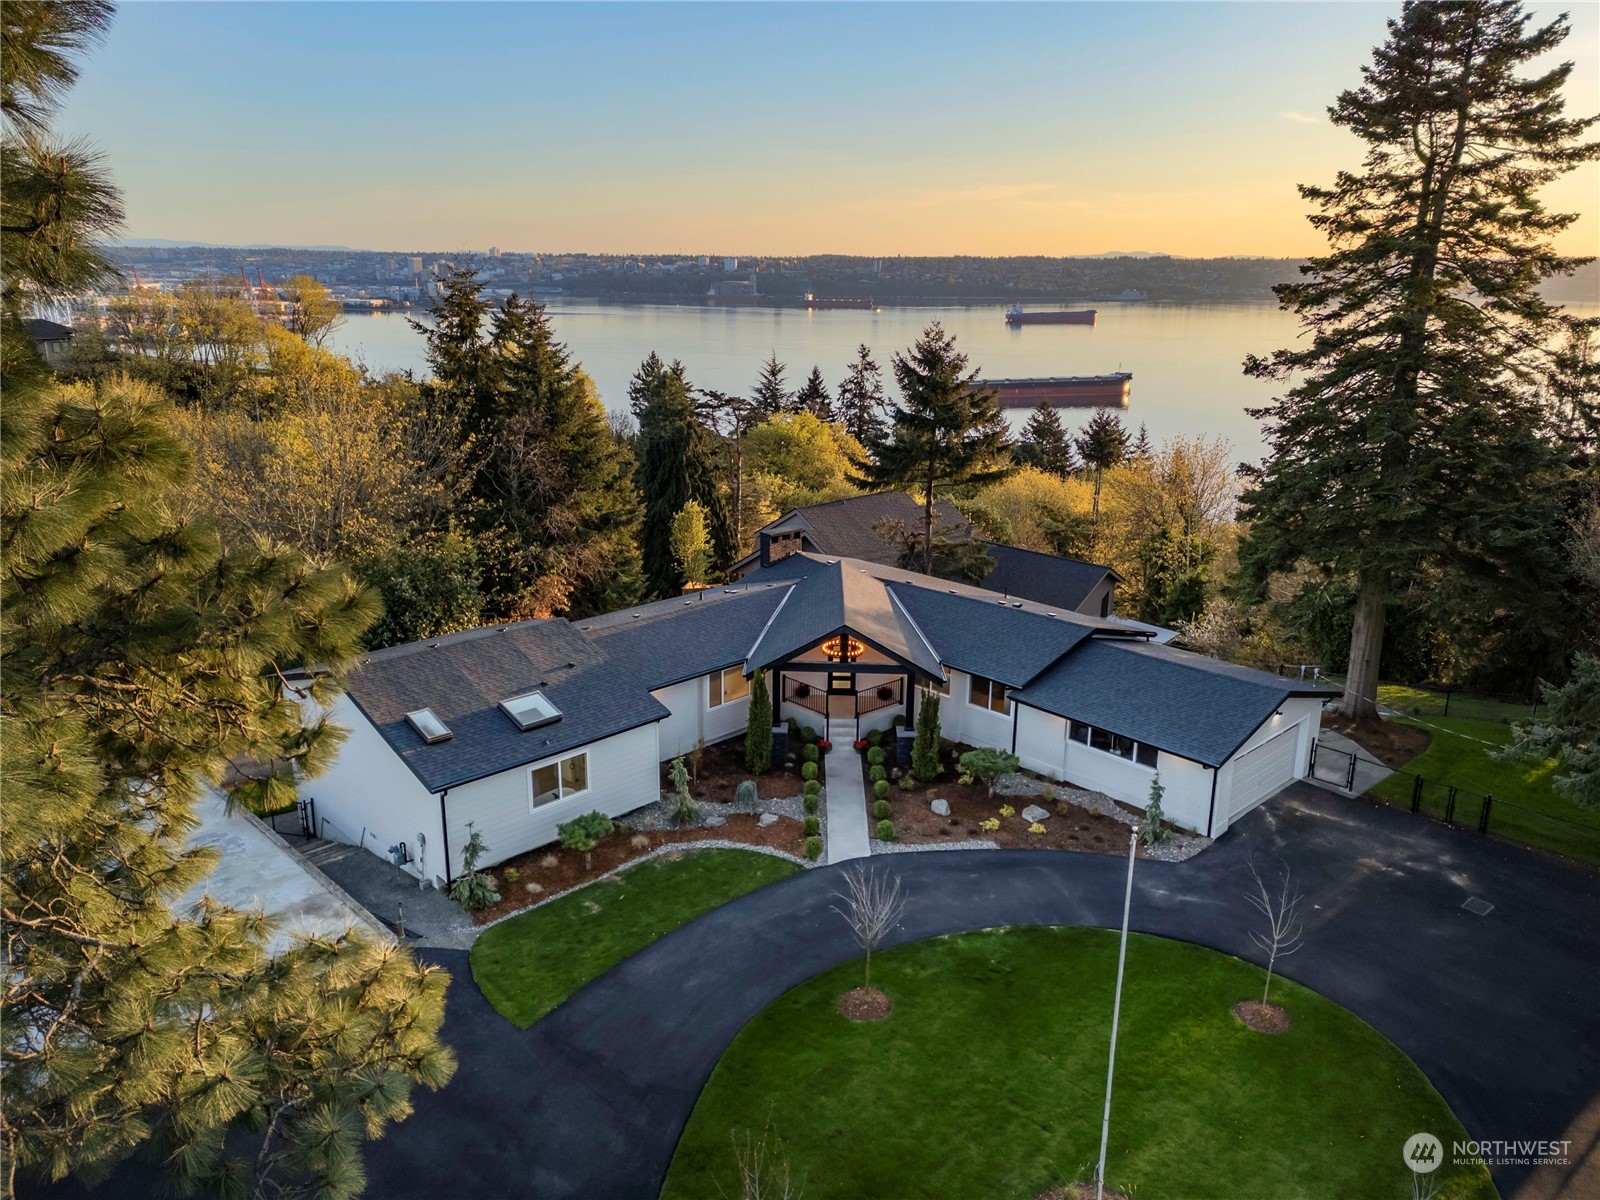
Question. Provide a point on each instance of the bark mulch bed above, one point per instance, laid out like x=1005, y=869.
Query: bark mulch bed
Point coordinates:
x=865, y=1004
x=722, y=770
x=553, y=869
x=1263, y=1018
x=1390, y=742
x=1069, y=827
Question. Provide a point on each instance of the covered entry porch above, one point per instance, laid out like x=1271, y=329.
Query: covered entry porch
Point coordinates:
x=843, y=679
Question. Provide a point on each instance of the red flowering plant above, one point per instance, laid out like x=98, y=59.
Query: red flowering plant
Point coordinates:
x=824, y=745
x=861, y=745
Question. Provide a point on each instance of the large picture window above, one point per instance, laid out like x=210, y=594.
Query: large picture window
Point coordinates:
x=989, y=693
x=560, y=780
x=1113, y=743
x=942, y=686
x=727, y=686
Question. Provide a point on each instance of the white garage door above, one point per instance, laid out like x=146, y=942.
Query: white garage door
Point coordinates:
x=1263, y=771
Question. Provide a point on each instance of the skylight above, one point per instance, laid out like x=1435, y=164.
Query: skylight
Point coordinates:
x=530, y=711
x=428, y=726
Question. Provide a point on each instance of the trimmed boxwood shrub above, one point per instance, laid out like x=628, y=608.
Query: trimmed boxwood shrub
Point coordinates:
x=813, y=826
x=875, y=737
x=813, y=848
x=877, y=773
x=875, y=756
x=811, y=753
x=808, y=733
x=880, y=789
x=881, y=810
x=886, y=831
x=808, y=770
x=812, y=802
x=811, y=787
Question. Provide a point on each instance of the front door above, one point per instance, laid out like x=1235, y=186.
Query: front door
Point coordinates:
x=841, y=695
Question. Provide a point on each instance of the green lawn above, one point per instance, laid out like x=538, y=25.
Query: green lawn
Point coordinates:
x=531, y=963
x=1403, y=698
x=988, y=1079
x=1527, y=807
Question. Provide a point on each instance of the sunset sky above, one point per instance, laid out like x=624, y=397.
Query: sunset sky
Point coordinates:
x=767, y=128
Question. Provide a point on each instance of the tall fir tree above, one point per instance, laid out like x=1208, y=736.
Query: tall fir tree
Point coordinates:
x=772, y=395
x=679, y=461
x=1045, y=443
x=1413, y=438
x=1141, y=449
x=947, y=432
x=456, y=345
x=813, y=397
x=142, y=663
x=557, y=505
x=1102, y=444
x=860, y=405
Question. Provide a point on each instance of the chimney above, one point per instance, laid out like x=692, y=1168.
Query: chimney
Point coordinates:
x=764, y=546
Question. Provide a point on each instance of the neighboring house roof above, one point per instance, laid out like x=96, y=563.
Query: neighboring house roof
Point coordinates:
x=41, y=330
x=846, y=527
x=1049, y=578
x=1197, y=707
x=835, y=595
x=463, y=677
x=684, y=637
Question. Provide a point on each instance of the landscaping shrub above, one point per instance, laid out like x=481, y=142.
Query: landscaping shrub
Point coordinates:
x=875, y=738
x=988, y=765
x=881, y=809
x=875, y=756
x=758, y=727
x=925, y=750
x=687, y=812
x=861, y=745
x=880, y=789
x=808, y=770
x=746, y=792
x=813, y=826
x=811, y=753
x=811, y=787
x=807, y=733
x=824, y=745
x=899, y=720
x=877, y=773
x=1155, y=820
x=585, y=832
x=813, y=848
x=474, y=889
x=886, y=831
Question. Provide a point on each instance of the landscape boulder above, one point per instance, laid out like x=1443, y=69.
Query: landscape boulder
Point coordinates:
x=1034, y=813
x=767, y=819
x=941, y=808
x=713, y=822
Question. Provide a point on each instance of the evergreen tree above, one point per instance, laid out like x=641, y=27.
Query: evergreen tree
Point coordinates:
x=1045, y=443
x=678, y=462
x=813, y=397
x=456, y=344
x=1413, y=438
x=948, y=432
x=143, y=662
x=1142, y=450
x=758, y=727
x=554, y=488
x=925, y=746
x=860, y=402
x=1103, y=444
x=771, y=396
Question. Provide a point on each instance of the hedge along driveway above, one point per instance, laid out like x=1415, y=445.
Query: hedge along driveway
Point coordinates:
x=1526, y=807
x=988, y=1079
x=528, y=964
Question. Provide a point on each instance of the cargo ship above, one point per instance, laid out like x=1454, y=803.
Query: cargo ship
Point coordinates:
x=1082, y=316
x=1063, y=391
x=811, y=301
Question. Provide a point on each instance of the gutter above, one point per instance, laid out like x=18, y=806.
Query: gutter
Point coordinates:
x=1211, y=814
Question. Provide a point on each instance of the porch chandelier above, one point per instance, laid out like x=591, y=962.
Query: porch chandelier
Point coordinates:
x=843, y=649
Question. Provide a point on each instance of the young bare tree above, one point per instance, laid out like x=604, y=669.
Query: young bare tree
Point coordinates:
x=763, y=1167
x=873, y=905
x=1280, y=906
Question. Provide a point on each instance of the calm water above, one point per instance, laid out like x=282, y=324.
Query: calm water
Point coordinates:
x=1184, y=358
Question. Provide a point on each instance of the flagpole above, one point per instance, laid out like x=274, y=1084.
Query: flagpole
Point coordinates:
x=1116, y=1014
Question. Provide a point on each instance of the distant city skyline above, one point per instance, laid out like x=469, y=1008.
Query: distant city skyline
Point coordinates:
x=1061, y=129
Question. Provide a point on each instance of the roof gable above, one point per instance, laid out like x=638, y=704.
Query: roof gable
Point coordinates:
x=1047, y=578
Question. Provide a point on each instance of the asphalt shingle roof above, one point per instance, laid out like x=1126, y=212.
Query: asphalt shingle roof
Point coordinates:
x=673, y=640
x=1047, y=578
x=845, y=527
x=464, y=677
x=986, y=636
x=1187, y=704
x=834, y=595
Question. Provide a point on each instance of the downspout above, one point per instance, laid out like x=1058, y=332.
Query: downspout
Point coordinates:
x=1016, y=715
x=1211, y=815
x=444, y=828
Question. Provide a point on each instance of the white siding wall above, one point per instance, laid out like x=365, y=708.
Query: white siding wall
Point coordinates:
x=1041, y=741
x=369, y=797
x=623, y=775
x=1305, y=713
x=681, y=730
x=979, y=726
x=726, y=719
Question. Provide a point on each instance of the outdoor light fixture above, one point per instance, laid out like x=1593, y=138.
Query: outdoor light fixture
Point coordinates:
x=843, y=649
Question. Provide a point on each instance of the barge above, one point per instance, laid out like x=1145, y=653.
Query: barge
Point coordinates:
x=1063, y=391
x=1082, y=316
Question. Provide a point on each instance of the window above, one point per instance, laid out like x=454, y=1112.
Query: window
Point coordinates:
x=1113, y=743
x=988, y=693
x=1105, y=604
x=943, y=685
x=560, y=780
x=728, y=686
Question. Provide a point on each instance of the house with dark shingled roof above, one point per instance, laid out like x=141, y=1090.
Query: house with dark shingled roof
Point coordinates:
x=518, y=728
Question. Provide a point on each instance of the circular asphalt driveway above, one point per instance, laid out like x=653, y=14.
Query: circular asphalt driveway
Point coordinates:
x=1499, y=1011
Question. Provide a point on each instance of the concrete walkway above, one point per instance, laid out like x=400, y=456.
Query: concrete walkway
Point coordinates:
x=846, y=797
x=1331, y=770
